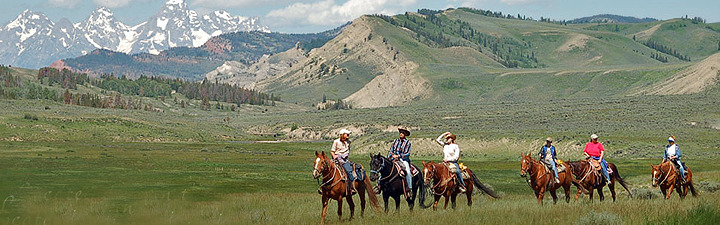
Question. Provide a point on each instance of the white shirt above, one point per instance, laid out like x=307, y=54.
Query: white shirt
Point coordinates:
x=451, y=152
x=339, y=147
x=671, y=150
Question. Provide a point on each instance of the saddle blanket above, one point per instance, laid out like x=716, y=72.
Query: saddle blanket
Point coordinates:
x=453, y=170
x=401, y=167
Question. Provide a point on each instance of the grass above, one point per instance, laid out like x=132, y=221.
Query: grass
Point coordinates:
x=230, y=183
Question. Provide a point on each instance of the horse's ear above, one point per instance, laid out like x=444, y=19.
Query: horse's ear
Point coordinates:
x=316, y=153
x=423, y=162
x=651, y=165
x=323, y=153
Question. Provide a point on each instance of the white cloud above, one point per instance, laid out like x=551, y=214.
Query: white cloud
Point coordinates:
x=113, y=3
x=519, y=2
x=63, y=3
x=328, y=12
x=228, y=3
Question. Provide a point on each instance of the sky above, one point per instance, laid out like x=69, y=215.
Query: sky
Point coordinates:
x=308, y=16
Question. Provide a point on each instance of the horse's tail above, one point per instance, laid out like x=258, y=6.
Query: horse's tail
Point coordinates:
x=620, y=180
x=421, y=190
x=485, y=189
x=692, y=187
x=374, y=203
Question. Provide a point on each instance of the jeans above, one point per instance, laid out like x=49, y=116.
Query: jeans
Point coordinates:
x=554, y=167
x=459, y=174
x=343, y=160
x=681, y=167
x=603, y=166
x=408, y=175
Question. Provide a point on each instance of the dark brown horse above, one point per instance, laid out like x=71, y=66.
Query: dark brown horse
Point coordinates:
x=384, y=171
x=541, y=179
x=668, y=178
x=333, y=187
x=588, y=178
x=446, y=185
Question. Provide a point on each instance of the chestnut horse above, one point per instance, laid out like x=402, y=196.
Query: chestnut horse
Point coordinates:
x=588, y=178
x=446, y=185
x=541, y=179
x=668, y=178
x=333, y=187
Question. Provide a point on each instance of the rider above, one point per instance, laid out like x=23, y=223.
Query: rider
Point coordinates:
x=549, y=159
x=672, y=153
x=340, y=152
x=451, y=154
x=596, y=150
x=400, y=150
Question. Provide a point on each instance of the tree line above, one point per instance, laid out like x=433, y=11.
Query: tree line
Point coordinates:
x=665, y=49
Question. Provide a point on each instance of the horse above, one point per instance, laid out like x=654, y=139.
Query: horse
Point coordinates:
x=541, y=179
x=446, y=185
x=333, y=187
x=668, y=178
x=587, y=178
x=392, y=184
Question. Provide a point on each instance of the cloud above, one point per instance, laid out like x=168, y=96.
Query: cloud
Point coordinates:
x=230, y=3
x=519, y=2
x=328, y=12
x=63, y=3
x=115, y=3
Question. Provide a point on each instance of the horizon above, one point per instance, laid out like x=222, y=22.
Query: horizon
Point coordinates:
x=304, y=16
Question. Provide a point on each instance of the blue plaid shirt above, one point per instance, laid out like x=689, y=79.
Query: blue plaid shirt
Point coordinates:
x=400, y=147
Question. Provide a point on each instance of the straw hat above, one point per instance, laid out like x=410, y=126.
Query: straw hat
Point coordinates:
x=549, y=139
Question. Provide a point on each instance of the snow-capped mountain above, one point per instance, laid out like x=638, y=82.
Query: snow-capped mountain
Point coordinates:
x=33, y=40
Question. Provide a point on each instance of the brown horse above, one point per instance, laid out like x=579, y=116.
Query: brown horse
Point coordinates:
x=541, y=179
x=588, y=178
x=668, y=178
x=333, y=187
x=446, y=184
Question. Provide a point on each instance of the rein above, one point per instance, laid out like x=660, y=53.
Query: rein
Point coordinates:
x=391, y=172
x=529, y=172
x=325, y=183
x=665, y=177
x=443, y=183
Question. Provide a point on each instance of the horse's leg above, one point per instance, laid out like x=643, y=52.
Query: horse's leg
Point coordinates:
x=340, y=208
x=600, y=193
x=325, y=200
x=447, y=199
x=663, y=189
x=351, y=203
x=361, y=194
x=541, y=194
x=411, y=201
x=397, y=203
x=591, y=195
x=669, y=191
x=386, y=198
x=680, y=191
x=554, y=196
x=437, y=199
x=469, y=191
x=612, y=189
x=577, y=195
x=453, y=198
x=566, y=188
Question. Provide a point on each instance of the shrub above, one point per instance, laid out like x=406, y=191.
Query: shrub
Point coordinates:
x=599, y=218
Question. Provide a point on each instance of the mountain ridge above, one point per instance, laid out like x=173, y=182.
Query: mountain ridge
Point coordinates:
x=175, y=25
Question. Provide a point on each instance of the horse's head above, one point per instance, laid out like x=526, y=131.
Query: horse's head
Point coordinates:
x=525, y=164
x=429, y=171
x=656, y=174
x=321, y=164
x=377, y=163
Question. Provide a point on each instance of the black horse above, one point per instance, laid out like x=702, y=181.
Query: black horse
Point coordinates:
x=391, y=183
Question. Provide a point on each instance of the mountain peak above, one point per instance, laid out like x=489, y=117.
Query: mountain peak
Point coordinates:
x=103, y=11
x=175, y=2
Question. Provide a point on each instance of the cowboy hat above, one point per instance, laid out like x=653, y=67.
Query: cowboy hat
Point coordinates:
x=345, y=131
x=403, y=129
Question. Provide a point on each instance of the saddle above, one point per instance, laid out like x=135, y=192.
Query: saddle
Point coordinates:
x=560, y=167
x=357, y=169
x=453, y=170
x=400, y=167
x=596, y=165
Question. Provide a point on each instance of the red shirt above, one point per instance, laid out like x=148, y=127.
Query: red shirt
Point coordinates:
x=593, y=149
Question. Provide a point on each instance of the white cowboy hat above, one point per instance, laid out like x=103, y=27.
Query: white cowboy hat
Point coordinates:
x=593, y=136
x=345, y=131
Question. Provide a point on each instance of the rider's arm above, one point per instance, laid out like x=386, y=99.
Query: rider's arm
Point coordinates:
x=407, y=153
x=439, y=140
x=677, y=152
x=602, y=153
x=333, y=149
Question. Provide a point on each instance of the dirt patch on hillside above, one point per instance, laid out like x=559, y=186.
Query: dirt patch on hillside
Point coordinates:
x=695, y=78
x=395, y=87
x=576, y=41
x=646, y=34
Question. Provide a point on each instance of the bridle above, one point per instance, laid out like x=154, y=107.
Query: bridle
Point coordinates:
x=665, y=177
x=377, y=172
x=325, y=168
x=528, y=171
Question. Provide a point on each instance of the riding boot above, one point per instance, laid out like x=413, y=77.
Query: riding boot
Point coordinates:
x=461, y=187
x=557, y=181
